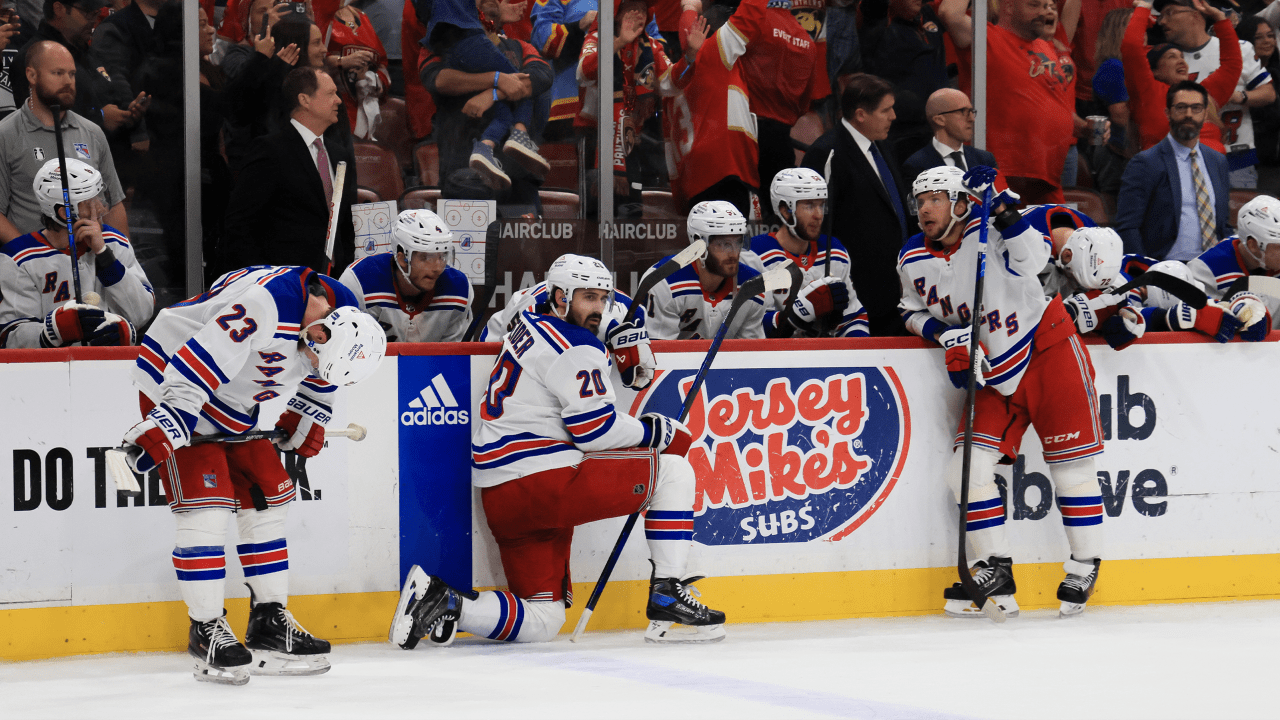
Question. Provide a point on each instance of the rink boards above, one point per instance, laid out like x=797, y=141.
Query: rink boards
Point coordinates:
x=819, y=490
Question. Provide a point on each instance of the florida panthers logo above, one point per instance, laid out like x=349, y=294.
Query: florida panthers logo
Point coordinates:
x=789, y=455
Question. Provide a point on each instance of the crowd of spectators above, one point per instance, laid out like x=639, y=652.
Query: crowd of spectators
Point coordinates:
x=712, y=98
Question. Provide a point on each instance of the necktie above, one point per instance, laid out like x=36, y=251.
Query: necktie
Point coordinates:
x=958, y=158
x=886, y=177
x=322, y=161
x=1204, y=210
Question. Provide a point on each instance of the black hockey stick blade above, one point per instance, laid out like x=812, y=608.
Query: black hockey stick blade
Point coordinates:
x=490, y=280
x=1177, y=287
x=1258, y=284
x=682, y=259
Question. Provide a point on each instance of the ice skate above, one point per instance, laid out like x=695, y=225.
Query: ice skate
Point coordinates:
x=674, y=602
x=1077, y=587
x=994, y=577
x=280, y=645
x=220, y=658
x=428, y=608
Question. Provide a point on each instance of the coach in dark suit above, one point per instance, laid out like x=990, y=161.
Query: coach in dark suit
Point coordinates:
x=1174, y=195
x=279, y=208
x=950, y=115
x=867, y=196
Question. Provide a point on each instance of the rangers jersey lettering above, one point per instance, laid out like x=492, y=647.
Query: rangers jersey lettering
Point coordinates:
x=766, y=252
x=549, y=400
x=532, y=297
x=679, y=309
x=214, y=358
x=1223, y=264
x=444, y=318
x=35, y=279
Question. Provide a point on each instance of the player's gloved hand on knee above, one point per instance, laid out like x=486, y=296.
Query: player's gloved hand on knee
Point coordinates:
x=303, y=424
x=956, y=340
x=1210, y=320
x=114, y=331
x=155, y=438
x=1084, y=310
x=1127, y=325
x=666, y=435
x=70, y=323
x=821, y=298
x=631, y=352
x=1255, y=320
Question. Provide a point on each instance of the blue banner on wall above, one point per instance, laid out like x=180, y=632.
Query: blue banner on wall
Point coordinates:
x=434, y=412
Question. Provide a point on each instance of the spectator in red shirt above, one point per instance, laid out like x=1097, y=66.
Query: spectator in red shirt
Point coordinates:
x=418, y=103
x=1084, y=44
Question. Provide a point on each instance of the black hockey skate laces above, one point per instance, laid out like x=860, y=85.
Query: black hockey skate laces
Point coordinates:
x=220, y=636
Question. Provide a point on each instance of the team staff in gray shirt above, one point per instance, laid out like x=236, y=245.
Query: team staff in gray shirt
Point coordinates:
x=27, y=142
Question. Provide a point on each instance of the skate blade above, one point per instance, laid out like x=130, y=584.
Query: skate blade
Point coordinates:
x=662, y=632
x=1070, y=610
x=415, y=586
x=269, y=662
x=204, y=672
x=991, y=609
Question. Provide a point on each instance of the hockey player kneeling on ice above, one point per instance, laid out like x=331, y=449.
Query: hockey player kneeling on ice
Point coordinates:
x=1033, y=371
x=552, y=452
x=413, y=291
x=205, y=366
x=37, y=295
x=826, y=303
x=691, y=303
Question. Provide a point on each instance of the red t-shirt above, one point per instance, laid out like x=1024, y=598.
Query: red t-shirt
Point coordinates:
x=342, y=40
x=418, y=103
x=781, y=69
x=1083, y=45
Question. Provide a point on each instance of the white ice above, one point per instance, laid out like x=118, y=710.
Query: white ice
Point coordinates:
x=1213, y=660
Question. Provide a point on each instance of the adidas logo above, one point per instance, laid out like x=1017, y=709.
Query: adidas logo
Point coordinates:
x=435, y=405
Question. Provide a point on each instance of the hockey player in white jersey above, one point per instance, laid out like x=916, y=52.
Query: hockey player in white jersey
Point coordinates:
x=205, y=366
x=1253, y=250
x=692, y=302
x=1034, y=371
x=800, y=199
x=550, y=452
x=37, y=308
x=1087, y=264
x=413, y=291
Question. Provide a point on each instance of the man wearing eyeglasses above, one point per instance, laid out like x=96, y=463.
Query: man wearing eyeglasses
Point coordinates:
x=1173, y=196
x=951, y=116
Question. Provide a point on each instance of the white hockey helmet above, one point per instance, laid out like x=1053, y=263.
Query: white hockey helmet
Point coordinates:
x=84, y=182
x=947, y=179
x=354, y=349
x=577, y=272
x=1096, y=255
x=1259, y=219
x=792, y=185
x=1156, y=297
x=421, y=231
x=714, y=217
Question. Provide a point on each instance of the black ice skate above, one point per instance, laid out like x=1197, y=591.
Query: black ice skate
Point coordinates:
x=280, y=645
x=673, y=601
x=1077, y=587
x=220, y=658
x=428, y=608
x=994, y=577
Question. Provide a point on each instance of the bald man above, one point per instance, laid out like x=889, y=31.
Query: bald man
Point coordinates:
x=950, y=115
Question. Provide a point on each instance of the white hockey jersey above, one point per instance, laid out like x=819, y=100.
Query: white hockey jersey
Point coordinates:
x=35, y=279
x=1221, y=266
x=1237, y=131
x=212, y=359
x=766, y=252
x=938, y=284
x=680, y=310
x=531, y=297
x=549, y=400
x=444, y=318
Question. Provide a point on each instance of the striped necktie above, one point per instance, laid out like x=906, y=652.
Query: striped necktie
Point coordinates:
x=1204, y=209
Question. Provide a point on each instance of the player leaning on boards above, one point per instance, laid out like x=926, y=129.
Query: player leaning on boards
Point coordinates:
x=552, y=452
x=1254, y=250
x=1033, y=369
x=827, y=296
x=37, y=305
x=206, y=365
x=413, y=291
x=691, y=303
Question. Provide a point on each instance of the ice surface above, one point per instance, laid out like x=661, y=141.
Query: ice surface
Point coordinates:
x=1212, y=660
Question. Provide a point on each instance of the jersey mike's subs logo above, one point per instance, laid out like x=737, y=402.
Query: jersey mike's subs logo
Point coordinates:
x=791, y=454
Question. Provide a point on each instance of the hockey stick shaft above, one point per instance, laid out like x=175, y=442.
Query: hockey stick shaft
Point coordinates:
x=66, y=203
x=680, y=260
x=335, y=209
x=1177, y=287
x=491, y=236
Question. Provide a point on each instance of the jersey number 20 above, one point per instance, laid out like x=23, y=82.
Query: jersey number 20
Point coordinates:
x=502, y=382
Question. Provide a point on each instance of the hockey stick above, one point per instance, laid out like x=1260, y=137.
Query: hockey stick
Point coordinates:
x=127, y=483
x=335, y=209
x=682, y=259
x=776, y=279
x=1260, y=284
x=66, y=203
x=962, y=563
x=1177, y=287
x=490, y=279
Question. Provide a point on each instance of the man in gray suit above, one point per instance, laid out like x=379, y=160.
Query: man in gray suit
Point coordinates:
x=951, y=116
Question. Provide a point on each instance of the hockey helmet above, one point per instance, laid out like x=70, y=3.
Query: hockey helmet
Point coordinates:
x=1259, y=219
x=1157, y=297
x=714, y=217
x=354, y=349
x=792, y=185
x=421, y=231
x=84, y=182
x=1096, y=254
x=577, y=272
x=947, y=179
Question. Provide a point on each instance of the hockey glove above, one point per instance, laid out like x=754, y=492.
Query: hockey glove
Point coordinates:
x=155, y=438
x=979, y=177
x=1084, y=309
x=1123, y=328
x=303, y=424
x=956, y=341
x=820, y=298
x=114, y=331
x=630, y=347
x=666, y=435
x=70, y=323
x=1255, y=321
x=1210, y=320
